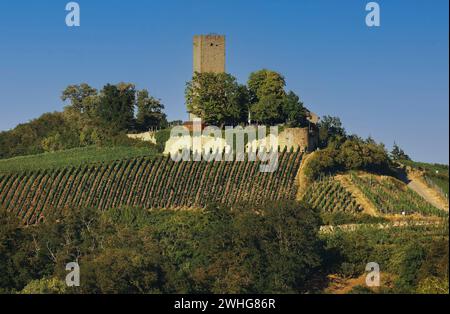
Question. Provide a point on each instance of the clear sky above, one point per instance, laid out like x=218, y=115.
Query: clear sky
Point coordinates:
x=390, y=82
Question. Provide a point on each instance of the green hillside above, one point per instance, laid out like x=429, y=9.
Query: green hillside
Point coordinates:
x=391, y=196
x=146, y=183
x=74, y=157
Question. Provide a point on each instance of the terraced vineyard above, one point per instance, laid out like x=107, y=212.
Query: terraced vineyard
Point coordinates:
x=147, y=183
x=329, y=195
x=391, y=196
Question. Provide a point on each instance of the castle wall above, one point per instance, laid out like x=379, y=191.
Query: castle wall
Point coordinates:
x=304, y=138
x=146, y=136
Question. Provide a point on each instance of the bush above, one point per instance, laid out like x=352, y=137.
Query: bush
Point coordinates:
x=415, y=254
x=45, y=286
x=341, y=218
x=353, y=154
x=161, y=138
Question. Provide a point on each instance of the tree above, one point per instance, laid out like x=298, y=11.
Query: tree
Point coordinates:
x=268, y=110
x=264, y=83
x=15, y=269
x=398, y=154
x=77, y=94
x=216, y=98
x=150, y=112
x=290, y=246
x=267, y=96
x=330, y=128
x=115, y=112
x=353, y=153
x=295, y=114
x=129, y=262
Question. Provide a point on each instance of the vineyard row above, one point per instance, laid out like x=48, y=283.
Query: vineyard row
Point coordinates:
x=147, y=183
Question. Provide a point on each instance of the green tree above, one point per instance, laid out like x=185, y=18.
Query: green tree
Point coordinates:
x=295, y=114
x=115, y=112
x=290, y=245
x=268, y=110
x=15, y=268
x=398, y=154
x=129, y=262
x=216, y=98
x=150, y=112
x=267, y=96
x=330, y=129
x=77, y=94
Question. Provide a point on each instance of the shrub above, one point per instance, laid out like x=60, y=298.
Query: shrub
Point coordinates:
x=161, y=138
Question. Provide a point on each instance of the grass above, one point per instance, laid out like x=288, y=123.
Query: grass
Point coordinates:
x=74, y=157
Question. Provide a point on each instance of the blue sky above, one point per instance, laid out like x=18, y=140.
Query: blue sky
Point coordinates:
x=390, y=82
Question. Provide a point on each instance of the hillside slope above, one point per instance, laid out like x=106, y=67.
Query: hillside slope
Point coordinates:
x=146, y=183
x=366, y=193
x=75, y=157
x=428, y=193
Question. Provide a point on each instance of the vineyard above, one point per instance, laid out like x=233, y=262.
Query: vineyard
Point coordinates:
x=148, y=183
x=327, y=194
x=391, y=196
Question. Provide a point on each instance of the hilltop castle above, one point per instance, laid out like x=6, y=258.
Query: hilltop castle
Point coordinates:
x=209, y=56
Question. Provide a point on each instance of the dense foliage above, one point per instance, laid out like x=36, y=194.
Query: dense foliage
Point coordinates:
x=330, y=130
x=129, y=250
x=273, y=248
x=352, y=153
x=91, y=118
x=219, y=100
x=415, y=256
x=269, y=102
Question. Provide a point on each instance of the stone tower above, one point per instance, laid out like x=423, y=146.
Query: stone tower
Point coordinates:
x=209, y=53
x=209, y=56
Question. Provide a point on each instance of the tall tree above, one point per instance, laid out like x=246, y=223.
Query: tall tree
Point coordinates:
x=216, y=98
x=267, y=96
x=399, y=154
x=77, y=94
x=150, y=112
x=330, y=128
x=295, y=114
x=115, y=111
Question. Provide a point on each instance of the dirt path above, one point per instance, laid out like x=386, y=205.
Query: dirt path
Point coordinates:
x=301, y=178
x=430, y=195
x=369, y=208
